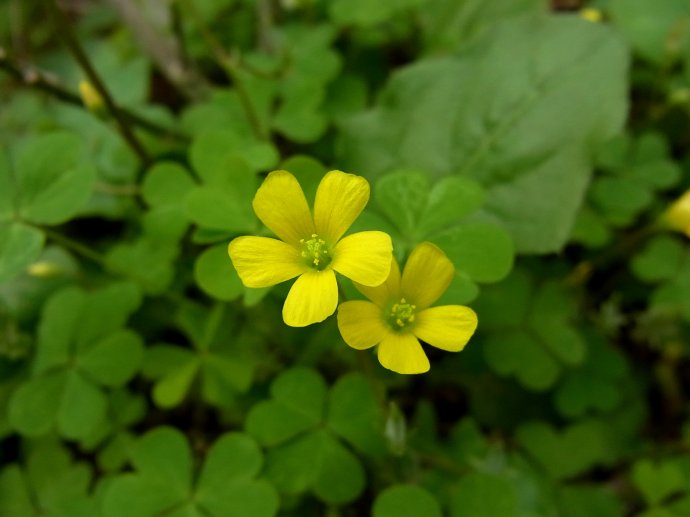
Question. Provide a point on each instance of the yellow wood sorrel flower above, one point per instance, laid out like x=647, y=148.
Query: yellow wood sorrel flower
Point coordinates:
x=401, y=313
x=311, y=248
x=677, y=216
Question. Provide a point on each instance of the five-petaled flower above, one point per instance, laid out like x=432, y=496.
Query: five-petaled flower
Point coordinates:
x=311, y=248
x=401, y=313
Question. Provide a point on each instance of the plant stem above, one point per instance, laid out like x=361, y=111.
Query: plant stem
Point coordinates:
x=34, y=78
x=228, y=63
x=64, y=28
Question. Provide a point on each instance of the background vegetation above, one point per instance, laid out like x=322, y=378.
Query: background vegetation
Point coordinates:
x=538, y=144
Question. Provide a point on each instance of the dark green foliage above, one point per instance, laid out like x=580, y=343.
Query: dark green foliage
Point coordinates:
x=538, y=149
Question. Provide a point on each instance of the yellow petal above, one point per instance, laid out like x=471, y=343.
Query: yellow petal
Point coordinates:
x=340, y=198
x=263, y=262
x=282, y=207
x=361, y=324
x=402, y=353
x=427, y=275
x=388, y=291
x=312, y=298
x=448, y=327
x=364, y=257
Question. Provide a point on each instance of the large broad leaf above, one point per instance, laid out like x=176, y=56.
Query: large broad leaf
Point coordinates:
x=519, y=112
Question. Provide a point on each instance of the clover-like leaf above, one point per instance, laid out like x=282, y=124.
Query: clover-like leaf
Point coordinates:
x=530, y=331
x=82, y=349
x=165, y=478
x=406, y=500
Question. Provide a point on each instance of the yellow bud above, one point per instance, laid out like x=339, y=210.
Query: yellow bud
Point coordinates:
x=44, y=269
x=677, y=216
x=591, y=15
x=91, y=98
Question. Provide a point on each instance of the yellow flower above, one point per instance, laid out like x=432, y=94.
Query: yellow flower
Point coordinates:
x=91, y=98
x=312, y=249
x=677, y=217
x=592, y=15
x=401, y=313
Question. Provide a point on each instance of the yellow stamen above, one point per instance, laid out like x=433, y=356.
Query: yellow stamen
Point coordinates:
x=401, y=315
x=315, y=251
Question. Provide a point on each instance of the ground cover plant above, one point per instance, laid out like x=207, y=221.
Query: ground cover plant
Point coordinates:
x=342, y=257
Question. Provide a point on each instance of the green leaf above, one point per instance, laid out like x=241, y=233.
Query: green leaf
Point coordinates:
x=596, y=385
x=163, y=454
x=253, y=498
x=354, y=415
x=407, y=500
x=450, y=24
x=480, y=251
x=619, y=199
x=114, y=359
x=146, y=261
x=485, y=495
x=585, y=501
x=402, y=197
x=19, y=246
x=489, y=115
x=166, y=183
x=215, y=275
x=648, y=26
x=137, y=496
x=232, y=456
x=657, y=481
x=298, y=401
x=165, y=189
x=530, y=330
x=450, y=199
x=660, y=259
x=318, y=461
x=35, y=404
x=82, y=407
x=366, y=14
x=15, y=499
x=212, y=151
x=104, y=311
x=570, y=452
x=226, y=485
x=52, y=185
x=173, y=387
x=521, y=355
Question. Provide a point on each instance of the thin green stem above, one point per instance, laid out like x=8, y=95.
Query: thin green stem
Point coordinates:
x=75, y=246
x=100, y=259
x=64, y=28
x=32, y=77
x=229, y=65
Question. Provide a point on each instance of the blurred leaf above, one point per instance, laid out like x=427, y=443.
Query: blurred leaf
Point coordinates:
x=450, y=24
x=165, y=479
x=567, y=453
x=486, y=495
x=533, y=164
x=657, y=481
x=19, y=246
x=353, y=414
x=407, y=500
x=648, y=27
x=660, y=259
x=215, y=275
x=530, y=330
x=52, y=183
x=297, y=405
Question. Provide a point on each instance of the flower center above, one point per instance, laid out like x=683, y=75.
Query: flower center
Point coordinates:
x=315, y=251
x=401, y=314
